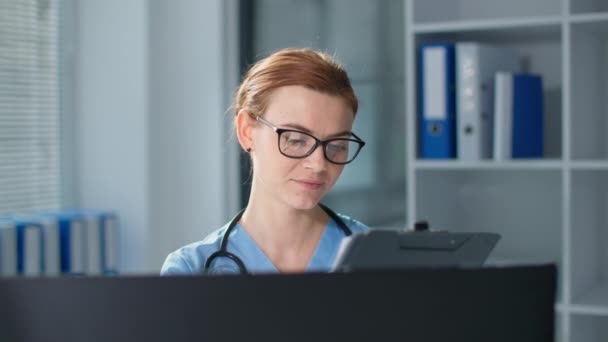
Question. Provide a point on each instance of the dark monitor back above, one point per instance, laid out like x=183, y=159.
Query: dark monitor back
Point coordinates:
x=502, y=304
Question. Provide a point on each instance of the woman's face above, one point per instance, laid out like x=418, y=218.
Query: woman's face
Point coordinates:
x=299, y=183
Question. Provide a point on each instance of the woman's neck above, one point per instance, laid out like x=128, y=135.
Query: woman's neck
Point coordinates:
x=286, y=235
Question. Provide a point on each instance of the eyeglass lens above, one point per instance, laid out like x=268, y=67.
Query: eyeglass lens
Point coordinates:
x=296, y=144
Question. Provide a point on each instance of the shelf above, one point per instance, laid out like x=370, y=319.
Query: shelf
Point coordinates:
x=588, y=89
x=537, y=164
x=548, y=209
x=593, y=25
x=589, y=165
x=593, y=310
x=588, y=257
x=484, y=25
x=507, y=32
x=589, y=18
x=588, y=327
x=430, y=11
x=492, y=201
x=582, y=7
x=463, y=201
x=539, y=49
x=594, y=301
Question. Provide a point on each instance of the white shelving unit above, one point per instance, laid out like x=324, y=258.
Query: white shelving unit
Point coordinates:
x=547, y=210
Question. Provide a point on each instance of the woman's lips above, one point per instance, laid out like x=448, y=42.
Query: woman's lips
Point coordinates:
x=309, y=184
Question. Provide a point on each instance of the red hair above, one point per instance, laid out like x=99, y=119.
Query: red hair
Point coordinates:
x=302, y=67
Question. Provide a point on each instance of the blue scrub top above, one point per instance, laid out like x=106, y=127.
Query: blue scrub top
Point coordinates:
x=191, y=259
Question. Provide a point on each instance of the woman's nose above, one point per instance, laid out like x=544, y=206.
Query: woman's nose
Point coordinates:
x=316, y=160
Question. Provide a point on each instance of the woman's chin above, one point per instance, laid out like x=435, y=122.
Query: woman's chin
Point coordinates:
x=304, y=203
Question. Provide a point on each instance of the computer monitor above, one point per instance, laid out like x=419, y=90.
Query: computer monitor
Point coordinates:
x=473, y=305
x=400, y=249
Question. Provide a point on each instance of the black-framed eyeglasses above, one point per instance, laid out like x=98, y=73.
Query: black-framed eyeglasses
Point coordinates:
x=298, y=144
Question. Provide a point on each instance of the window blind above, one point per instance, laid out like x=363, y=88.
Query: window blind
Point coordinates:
x=29, y=106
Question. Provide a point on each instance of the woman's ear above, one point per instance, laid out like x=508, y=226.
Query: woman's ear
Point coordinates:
x=244, y=130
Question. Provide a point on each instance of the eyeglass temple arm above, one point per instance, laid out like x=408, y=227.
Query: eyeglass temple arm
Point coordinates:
x=259, y=118
x=357, y=137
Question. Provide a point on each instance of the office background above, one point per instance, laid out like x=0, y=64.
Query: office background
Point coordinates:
x=143, y=114
x=130, y=112
x=140, y=116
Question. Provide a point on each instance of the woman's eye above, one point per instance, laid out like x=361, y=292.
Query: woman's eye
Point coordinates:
x=296, y=142
x=337, y=148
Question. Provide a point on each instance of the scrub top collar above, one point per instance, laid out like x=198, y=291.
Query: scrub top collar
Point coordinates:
x=242, y=244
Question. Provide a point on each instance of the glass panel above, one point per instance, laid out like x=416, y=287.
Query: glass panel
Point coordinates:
x=367, y=37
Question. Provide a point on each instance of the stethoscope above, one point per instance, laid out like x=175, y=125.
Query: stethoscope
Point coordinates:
x=223, y=251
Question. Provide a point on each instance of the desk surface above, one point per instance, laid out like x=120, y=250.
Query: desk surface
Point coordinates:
x=510, y=304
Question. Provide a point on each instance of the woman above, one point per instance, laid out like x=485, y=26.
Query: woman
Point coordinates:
x=294, y=116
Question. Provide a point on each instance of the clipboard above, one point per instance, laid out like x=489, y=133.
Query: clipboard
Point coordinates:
x=405, y=249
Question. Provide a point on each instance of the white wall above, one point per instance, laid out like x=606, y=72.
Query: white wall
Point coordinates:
x=150, y=111
x=188, y=137
x=113, y=117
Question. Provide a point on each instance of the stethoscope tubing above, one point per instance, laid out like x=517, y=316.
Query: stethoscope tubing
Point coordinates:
x=223, y=251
